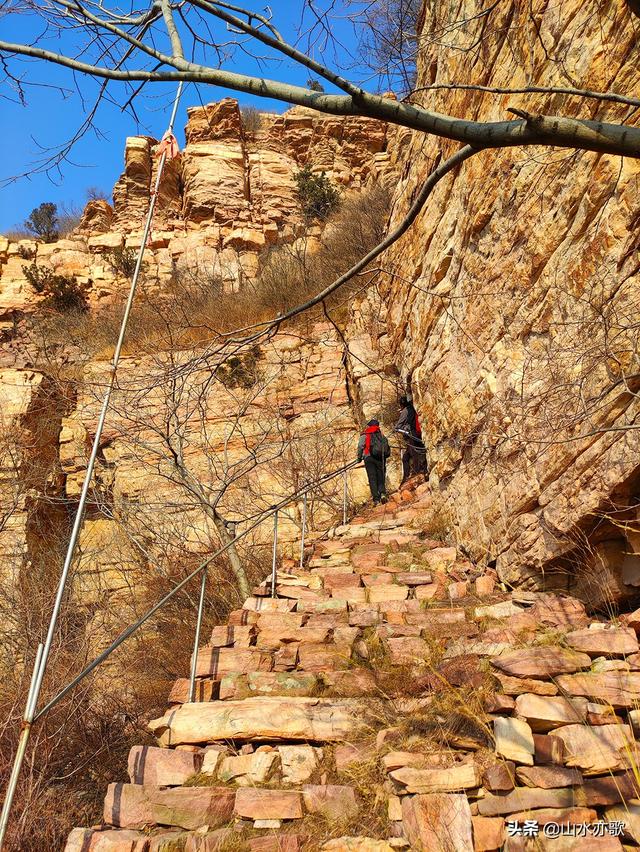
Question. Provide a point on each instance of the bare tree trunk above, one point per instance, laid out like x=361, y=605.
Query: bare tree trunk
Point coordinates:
x=232, y=553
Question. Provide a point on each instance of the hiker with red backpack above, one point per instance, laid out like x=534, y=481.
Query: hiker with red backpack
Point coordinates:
x=374, y=450
x=414, y=457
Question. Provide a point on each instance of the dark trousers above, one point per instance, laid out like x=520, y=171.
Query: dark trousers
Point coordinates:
x=375, y=475
x=414, y=458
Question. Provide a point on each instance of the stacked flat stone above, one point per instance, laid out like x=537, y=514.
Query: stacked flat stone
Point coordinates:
x=288, y=704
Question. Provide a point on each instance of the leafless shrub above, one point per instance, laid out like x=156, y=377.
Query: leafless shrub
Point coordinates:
x=122, y=260
x=251, y=119
x=293, y=273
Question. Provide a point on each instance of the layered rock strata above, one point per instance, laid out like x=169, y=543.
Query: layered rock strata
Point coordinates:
x=228, y=196
x=510, y=304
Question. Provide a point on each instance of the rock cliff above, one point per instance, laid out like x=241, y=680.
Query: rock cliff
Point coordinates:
x=223, y=202
x=229, y=195
x=510, y=308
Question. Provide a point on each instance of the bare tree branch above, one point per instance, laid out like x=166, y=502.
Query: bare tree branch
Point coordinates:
x=532, y=129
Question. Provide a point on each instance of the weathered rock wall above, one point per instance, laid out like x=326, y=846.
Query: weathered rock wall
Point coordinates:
x=224, y=199
x=512, y=303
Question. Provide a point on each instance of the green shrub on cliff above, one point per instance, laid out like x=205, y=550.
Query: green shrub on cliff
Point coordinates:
x=317, y=195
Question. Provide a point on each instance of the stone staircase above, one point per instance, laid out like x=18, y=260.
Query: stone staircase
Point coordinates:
x=391, y=697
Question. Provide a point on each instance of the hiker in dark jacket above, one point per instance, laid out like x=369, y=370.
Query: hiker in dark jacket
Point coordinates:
x=414, y=457
x=374, y=450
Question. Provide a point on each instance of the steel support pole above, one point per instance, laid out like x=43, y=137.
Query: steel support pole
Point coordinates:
x=40, y=668
x=274, y=569
x=304, y=527
x=22, y=747
x=196, y=638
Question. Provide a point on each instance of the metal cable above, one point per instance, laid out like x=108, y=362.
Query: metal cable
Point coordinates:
x=203, y=565
x=42, y=658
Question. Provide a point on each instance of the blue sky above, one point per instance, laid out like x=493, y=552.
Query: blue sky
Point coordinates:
x=50, y=118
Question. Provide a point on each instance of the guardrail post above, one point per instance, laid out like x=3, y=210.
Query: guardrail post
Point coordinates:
x=274, y=569
x=196, y=638
x=304, y=527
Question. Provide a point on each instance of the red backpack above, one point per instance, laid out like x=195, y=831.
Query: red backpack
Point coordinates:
x=417, y=427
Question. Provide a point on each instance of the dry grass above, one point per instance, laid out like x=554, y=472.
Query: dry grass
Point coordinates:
x=195, y=307
x=440, y=522
x=83, y=745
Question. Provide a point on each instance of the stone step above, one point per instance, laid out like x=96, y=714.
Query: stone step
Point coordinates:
x=217, y=662
x=264, y=718
x=296, y=690
x=136, y=806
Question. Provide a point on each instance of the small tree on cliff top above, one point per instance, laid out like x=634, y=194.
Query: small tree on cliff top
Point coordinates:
x=61, y=292
x=43, y=222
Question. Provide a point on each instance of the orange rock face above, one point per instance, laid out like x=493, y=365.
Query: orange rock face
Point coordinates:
x=486, y=312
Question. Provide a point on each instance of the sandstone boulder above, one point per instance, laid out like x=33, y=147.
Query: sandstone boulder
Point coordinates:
x=335, y=803
x=514, y=740
x=249, y=769
x=298, y=762
x=450, y=780
x=136, y=806
x=548, y=777
x=438, y=822
x=596, y=750
x=318, y=657
x=629, y=815
x=500, y=777
x=618, y=689
x=265, y=718
x=161, y=767
x=97, y=217
x=601, y=639
x=520, y=685
x=253, y=803
x=611, y=789
x=488, y=833
x=205, y=690
x=408, y=649
x=235, y=686
x=557, y=611
x=525, y=799
x=548, y=749
x=545, y=661
x=543, y=713
x=216, y=662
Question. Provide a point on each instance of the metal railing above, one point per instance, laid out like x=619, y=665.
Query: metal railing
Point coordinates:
x=44, y=650
x=31, y=715
x=132, y=628
x=273, y=581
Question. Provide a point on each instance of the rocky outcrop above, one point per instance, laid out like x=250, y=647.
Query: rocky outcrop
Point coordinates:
x=18, y=392
x=227, y=196
x=509, y=305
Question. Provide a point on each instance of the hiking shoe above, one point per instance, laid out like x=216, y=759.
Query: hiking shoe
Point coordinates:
x=376, y=502
x=383, y=498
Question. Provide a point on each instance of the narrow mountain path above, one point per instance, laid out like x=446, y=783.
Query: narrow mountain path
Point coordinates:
x=392, y=697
